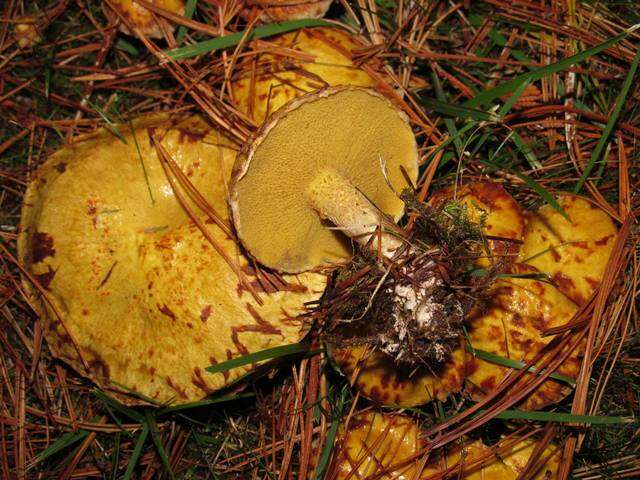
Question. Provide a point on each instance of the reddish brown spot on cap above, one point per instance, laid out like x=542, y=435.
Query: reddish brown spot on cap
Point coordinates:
x=167, y=311
x=564, y=283
x=42, y=247
x=205, y=313
x=603, y=240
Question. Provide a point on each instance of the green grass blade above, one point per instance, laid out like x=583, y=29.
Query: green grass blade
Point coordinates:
x=450, y=124
x=204, y=403
x=144, y=168
x=323, y=462
x=267, y=354
x=189, y=10
x=525, y=150
x=227, y=41
x=127, y=47
x=533, y=185
x=116, y=457
x=157, y=441
x=499, y=39
x=517, y=364
x=119, y=407
x=498, y=91
x=60, y=444
x=457, y=110
x=137, y=451
x=560, y=417
x=613, y=118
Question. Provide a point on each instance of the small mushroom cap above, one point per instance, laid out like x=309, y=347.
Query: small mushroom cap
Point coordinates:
x=574, y=254
x=26, y=32
x=351, y=131
x=373, y=442
x=285, y=10
x=502, y=216
x=322, y=57
x=519, y=311
x=476, y=461
x=141, y=17
x=147, y=300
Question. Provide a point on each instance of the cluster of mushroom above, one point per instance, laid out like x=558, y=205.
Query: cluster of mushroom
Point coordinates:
x=131, y=258
x=134, y=269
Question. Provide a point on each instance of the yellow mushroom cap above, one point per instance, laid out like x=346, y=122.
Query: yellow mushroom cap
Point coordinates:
x=385, y=446
x=503, y=218
x=141, y=17
x=355, y=132
x=26, y=32
x=519, y=310
x=311, y=59
x=573, y=253
x=473, y=460
x=142, y=294
x=373, y=442
x=285, y=10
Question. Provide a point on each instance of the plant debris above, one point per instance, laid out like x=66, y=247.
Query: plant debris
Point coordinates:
x=412, y=307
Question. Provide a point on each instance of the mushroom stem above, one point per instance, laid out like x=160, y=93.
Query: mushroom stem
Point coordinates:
x=336, y=199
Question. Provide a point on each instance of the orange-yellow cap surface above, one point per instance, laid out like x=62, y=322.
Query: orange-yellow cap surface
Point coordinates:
x=140, y=17
x=295, y=63
x=575, y=252
x=147, y=300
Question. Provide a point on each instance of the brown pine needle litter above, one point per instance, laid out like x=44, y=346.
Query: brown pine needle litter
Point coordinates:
x=537, y=96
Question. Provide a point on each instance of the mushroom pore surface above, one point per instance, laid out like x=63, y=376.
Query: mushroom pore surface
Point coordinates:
x=352, y=139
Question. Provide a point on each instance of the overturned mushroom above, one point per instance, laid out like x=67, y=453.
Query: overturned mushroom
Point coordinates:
x=141, y=18
x=295, y=63
x=328, y=159
x=133, y=294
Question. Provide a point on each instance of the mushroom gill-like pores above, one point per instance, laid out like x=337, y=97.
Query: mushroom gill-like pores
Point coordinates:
x=284, y=10
x=519, y=308
x=141, y=18
x=295, y=63
x=379, y=445
x=336, y=157
x=134, y=291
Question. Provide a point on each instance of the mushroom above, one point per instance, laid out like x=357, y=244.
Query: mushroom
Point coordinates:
x=507, y=460
x=519, y=308
x=503, y=219
x=573, y=252
x=373, y=444
x=285, y=10
x=26, y=32
x=147, y=22
x=295, y=63
x=334, y=158
x=130, y=291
